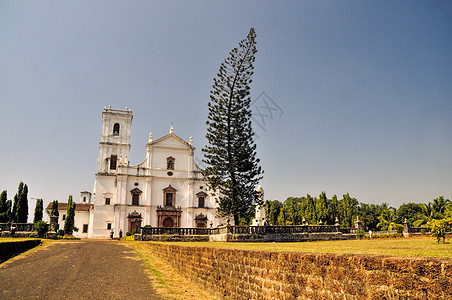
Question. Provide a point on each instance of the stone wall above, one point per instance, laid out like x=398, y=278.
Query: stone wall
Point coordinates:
x=243, y=274
x=281, y=237
x=10, y=249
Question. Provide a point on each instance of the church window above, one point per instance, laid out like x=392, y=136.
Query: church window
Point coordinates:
x=113, y=160
x=85, y=228
x=64, y=217
x=116, y=129
x=169, y=196
x=136, y=192
x=108, y=226
x=84, y=199
x=107, y=201
x=136, y=199
x=169, y=199
x=201, y=199
x=170, y=163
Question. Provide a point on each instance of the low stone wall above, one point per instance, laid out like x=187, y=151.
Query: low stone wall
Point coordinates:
x=10, y=249
x=243, y=274
x=19, y=234
x=171, y=238
x=281, y=237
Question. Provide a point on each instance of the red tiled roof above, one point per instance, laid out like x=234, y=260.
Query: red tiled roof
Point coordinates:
x=78, y=206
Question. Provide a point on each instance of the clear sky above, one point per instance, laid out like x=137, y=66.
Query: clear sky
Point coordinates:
x=361, y=90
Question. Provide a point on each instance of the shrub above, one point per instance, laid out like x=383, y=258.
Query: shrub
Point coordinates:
x=60, y=232
x=360, y=234
x=41, y=228
x=133, y=232
x=128, y=233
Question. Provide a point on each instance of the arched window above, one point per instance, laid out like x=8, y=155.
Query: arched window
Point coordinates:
x=170, y=163
x=116, y=129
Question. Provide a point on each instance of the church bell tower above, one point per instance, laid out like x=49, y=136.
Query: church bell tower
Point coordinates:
x=114, y=145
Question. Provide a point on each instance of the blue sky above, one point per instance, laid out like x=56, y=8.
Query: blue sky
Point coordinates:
x=364, y=89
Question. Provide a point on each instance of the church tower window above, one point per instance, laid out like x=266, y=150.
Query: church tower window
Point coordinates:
x=116, y=129
x=113, y=161
x=170, y=163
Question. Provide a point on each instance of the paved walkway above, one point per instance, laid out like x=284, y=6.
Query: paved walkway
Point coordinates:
x=77, y=270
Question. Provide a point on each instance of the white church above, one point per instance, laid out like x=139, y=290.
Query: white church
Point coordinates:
x=167, y=189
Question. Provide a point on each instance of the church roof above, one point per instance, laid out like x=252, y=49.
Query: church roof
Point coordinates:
x=169, y=136
x=78, y=206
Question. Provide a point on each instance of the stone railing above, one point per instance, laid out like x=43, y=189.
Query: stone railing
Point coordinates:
x=177, y=231
x=248, y=230
x=28, y=227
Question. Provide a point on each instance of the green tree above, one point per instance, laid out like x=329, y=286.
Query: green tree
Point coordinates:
x=272, y=210
x=427, y=214
x=368, y=214
x=9, y=210
x=38, y=211
x=309, y=213
x=408, y=211
x=3, y=207
x=322, y=208
x=20, y=209
x=232, y=166
x=70, y=215
x=349, y=209
x=439, y=206
x=388, y=218
x=54, y=209
x=333, y=210
x=41, y=228
x=439, y=228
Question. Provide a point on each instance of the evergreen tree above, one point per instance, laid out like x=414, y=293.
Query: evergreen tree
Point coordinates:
x=54, y=209
x=333, y=210
x=38, y=211
x=272, y=211
x=9, y=210
x=20, y=209
x=233, y=171
x=322, y=208
x=14, y=209
x=309, y=214
x=3, y=207
x=350, y=210
x=69, y=222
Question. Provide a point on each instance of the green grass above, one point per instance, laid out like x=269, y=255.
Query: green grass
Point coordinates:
x=419, y=246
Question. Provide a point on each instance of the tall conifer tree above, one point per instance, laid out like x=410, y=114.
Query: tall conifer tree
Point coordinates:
x=3, y=207
x=69, y=222
x=322, y=208
x=233, y=169
x=38, y=211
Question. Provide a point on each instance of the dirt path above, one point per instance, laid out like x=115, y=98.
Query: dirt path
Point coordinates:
x=77, y=270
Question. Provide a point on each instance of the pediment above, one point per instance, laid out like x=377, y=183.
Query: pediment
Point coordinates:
x=173, y=141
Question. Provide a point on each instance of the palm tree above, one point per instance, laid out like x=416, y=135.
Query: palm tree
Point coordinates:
x=388, y=219
x=427, y=214
x=439, y=205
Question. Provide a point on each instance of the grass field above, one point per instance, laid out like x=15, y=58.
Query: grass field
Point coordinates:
x=418, y=246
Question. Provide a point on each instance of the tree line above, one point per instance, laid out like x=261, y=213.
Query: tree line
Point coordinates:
x=345, y=211
x=17, y=211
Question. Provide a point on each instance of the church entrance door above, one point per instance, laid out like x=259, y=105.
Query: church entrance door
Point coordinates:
x=168, y=222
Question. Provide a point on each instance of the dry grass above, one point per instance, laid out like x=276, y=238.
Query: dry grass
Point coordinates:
x=165, y=279
x=415, y=246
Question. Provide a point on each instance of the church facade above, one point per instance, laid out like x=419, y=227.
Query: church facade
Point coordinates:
x=167, y=189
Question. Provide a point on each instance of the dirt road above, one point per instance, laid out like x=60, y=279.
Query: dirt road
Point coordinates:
x=77, y=270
